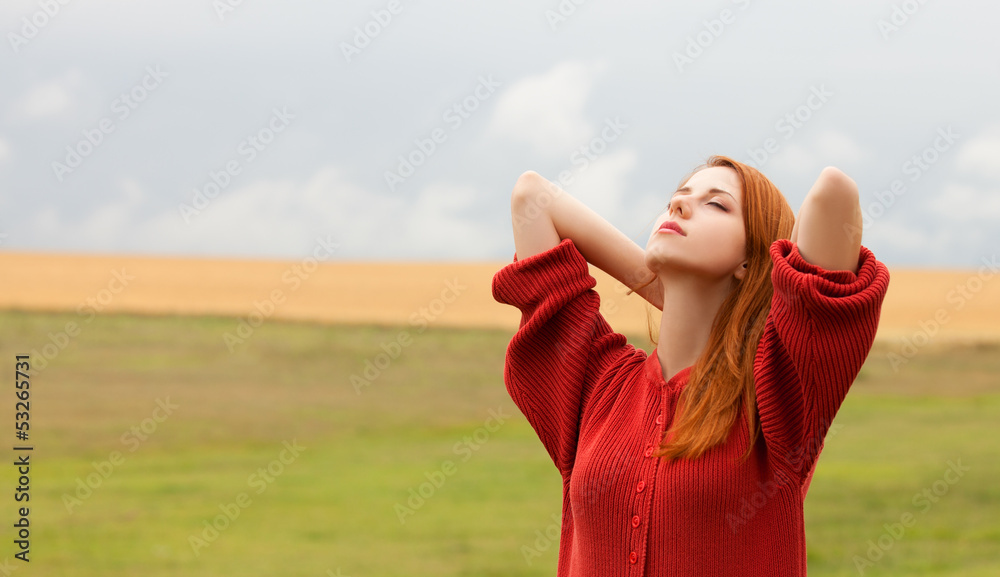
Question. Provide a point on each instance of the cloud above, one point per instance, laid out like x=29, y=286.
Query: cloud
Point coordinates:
x=551, y=103
x=806, y=157
x=107, y=226
x=546, y=111
x=981, y=156
x=283, y=218
x=273, y=218
x=899, y=236
x=50, y=99
x=265, y=218
x=793, y=160
x=963, y=203
x=602, y=184
x=439, y=223
x=838, y=148
x=133, y=191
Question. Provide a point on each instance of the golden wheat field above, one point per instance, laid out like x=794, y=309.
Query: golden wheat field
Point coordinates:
x=942, y=304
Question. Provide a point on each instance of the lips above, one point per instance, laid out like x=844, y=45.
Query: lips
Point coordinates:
x=670, y=225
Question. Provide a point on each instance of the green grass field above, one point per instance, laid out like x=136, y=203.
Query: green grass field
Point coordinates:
x=334, y=507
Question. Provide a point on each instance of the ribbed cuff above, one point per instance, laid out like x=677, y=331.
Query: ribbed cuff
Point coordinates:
x=561, y=265
x=790, y=267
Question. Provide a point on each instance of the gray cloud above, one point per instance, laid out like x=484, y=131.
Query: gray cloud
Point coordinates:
x=368, y=87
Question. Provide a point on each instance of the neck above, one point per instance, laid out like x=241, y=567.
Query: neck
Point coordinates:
x=690, y=304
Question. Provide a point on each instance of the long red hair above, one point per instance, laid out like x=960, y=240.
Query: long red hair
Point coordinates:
x=721, y=380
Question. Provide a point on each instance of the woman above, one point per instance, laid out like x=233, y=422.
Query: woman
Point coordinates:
x=693, y=460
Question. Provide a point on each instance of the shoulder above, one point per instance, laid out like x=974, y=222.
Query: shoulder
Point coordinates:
x=626, y=363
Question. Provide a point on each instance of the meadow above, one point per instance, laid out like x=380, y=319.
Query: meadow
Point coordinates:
x=147, y=429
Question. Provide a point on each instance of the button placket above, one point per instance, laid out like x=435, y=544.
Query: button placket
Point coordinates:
x=642, y=502
x=640, y=535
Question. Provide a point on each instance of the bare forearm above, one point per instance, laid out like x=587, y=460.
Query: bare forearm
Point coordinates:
x=547, y=214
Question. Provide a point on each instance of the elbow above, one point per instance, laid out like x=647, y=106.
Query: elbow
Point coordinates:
x=836, y=194
x=837, y=221
x=526, y=186
x=833, y=185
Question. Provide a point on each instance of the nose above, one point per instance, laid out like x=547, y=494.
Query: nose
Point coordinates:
x=678, y=205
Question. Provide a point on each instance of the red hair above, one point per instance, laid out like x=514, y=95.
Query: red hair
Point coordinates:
x=721, y=380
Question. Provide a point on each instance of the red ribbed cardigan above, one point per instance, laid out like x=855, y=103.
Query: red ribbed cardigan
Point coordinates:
x=600, y=406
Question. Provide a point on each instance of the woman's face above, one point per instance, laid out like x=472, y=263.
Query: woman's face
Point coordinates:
x=709, y=210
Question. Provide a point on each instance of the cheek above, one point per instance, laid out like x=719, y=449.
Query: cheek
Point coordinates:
x=740, y=245
x=732, y=241
x=738, y=235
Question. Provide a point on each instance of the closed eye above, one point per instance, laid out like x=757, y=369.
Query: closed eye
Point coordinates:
x=718, y=204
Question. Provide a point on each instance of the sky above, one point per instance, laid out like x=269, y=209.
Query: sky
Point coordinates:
x=253, y=129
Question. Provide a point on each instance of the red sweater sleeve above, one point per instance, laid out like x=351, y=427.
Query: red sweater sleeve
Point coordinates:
x=819, y=331
x=563, y=345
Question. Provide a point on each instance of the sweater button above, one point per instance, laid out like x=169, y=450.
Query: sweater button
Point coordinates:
x=659, y=419
x=633, y=557
x=635, y=521
x=649, y=451
x=640, y=486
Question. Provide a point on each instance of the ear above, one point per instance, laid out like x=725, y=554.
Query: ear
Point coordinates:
x=741, y=271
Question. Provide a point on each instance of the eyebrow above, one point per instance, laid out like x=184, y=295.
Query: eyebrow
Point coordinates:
x=711, y=191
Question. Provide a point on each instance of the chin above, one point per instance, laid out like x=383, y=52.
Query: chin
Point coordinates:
x=656, y=260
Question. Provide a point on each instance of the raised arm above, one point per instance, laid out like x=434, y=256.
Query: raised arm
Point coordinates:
x=543, y=214
x=828, y=228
